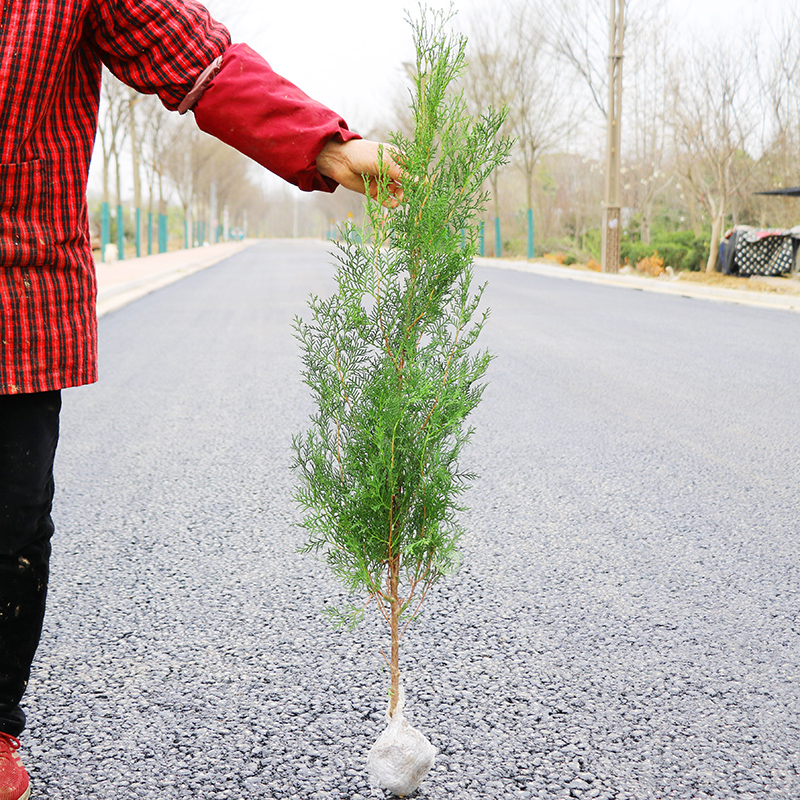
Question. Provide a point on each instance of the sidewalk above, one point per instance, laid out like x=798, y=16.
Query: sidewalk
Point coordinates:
x=673, y=286
x=122, y=282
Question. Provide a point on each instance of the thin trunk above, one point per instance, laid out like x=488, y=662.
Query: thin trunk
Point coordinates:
x=163, y=234
x=529, y=186
x=118, y=178
x=529, y=221
x=495, y=180
x=187, y=227
x=212, y=213
x=695, y=216
x=162, y=203
x=106, y=176
x=394, y=606
x=137, y=177
x=735, y=210
x=120, y=220
x=716, y=235
x=647, y=213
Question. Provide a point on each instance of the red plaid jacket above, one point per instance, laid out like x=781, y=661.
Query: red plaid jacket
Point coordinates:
x=51, y=52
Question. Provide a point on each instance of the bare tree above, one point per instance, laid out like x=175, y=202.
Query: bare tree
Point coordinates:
x=489, y=81
x=210, y=177
x=112, y=129
x=156, y=143
x=578, y=30
x=779, y=73
x=714, y=101
x=538, y=117
x=581, y=31
x=185, y=154
x=783, y=90
x=135, y=125
x=573, y=186
x=647, y=171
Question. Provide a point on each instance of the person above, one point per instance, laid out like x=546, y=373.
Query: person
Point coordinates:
x=50, y=76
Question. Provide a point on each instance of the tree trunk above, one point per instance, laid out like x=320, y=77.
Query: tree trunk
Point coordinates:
x=694, y=216
x=120, y=218
x=529, y=197
x=498, y=245
x=394, y=622
x=163, y=235
x=647, y=213
x=105, y=223
x=716, y=236
x=137, y=178
x=106, y=177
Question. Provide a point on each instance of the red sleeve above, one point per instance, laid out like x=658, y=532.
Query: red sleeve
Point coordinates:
x=262, y=115
x=157, y=46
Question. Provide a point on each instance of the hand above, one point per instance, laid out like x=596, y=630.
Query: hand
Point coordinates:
x=348, y=162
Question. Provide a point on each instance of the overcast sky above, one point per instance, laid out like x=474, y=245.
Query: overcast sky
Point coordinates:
x=348, y=53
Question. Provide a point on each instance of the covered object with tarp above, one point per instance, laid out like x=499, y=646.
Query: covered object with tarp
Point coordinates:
x=747, y=251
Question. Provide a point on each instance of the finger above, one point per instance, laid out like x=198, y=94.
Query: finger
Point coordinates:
x=394, y=170
x=396, y=192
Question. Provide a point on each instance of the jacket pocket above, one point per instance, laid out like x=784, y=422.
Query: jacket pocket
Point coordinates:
x=30, y=227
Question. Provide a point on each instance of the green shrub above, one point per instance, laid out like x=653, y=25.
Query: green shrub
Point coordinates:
x=593, y=242
x=681, y=250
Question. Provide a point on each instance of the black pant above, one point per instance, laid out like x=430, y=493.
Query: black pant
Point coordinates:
x=28, y=438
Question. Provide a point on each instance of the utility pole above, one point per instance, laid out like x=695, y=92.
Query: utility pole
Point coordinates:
x=612, y=222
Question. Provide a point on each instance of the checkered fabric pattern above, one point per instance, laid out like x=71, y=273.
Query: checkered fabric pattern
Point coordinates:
x=758, y=253
x=51, y=55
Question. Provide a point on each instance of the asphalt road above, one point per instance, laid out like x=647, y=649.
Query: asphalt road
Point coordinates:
x=625, y=623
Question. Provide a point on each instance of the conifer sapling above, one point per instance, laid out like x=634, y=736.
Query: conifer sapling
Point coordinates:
x=392, y=368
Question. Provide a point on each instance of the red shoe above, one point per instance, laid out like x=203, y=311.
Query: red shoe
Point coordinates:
x=14, y=781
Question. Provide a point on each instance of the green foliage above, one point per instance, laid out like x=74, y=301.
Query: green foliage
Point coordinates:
x=681, y=250
x=593, y=243
x=390, y=358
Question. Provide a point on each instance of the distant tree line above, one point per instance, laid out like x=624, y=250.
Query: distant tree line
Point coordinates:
x=164, y=183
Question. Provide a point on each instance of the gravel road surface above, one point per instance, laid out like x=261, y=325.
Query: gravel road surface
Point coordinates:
x=625, y=624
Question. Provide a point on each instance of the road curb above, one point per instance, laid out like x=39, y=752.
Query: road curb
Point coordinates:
x=778, y=302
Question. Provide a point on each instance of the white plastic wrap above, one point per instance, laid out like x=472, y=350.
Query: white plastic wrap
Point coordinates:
x=402, y=756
